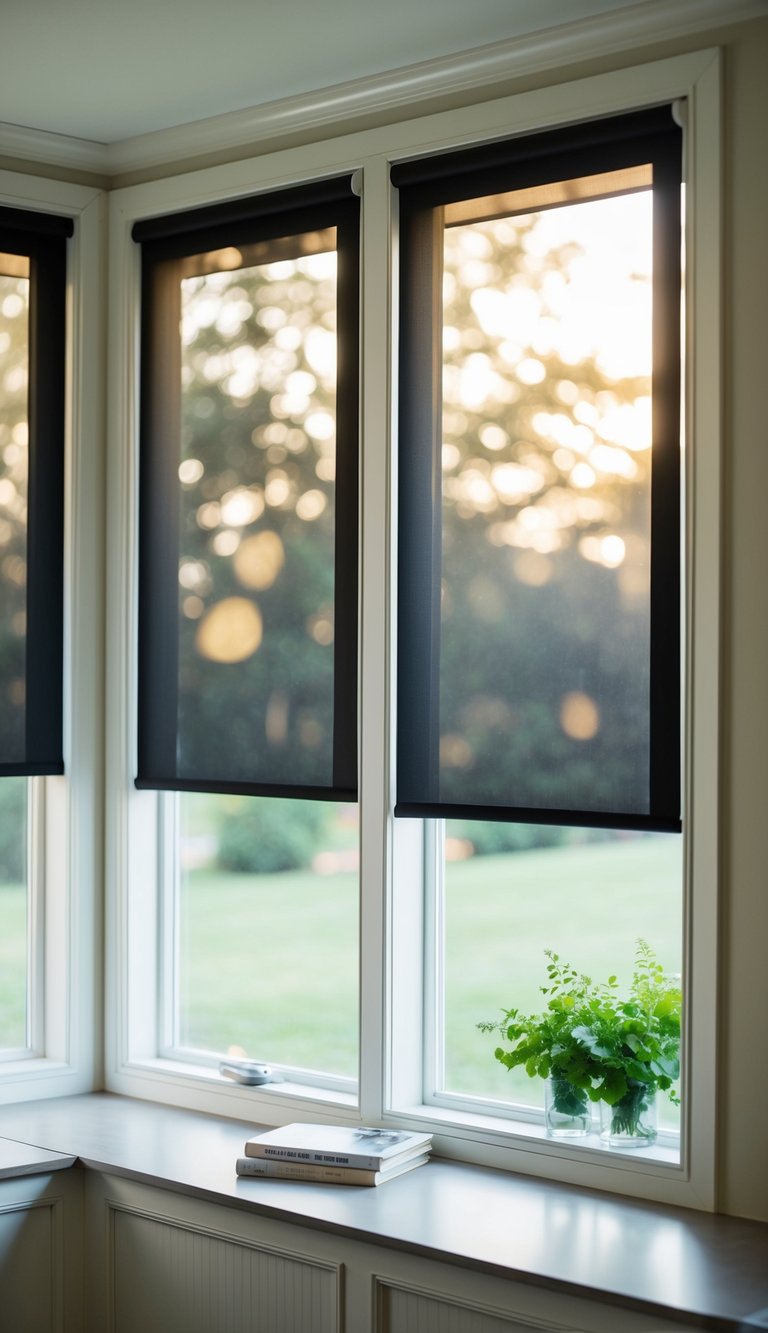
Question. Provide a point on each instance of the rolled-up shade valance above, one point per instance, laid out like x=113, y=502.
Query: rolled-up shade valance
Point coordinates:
x=232, y=213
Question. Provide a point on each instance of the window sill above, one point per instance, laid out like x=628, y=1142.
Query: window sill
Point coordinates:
x=464, y=1136
x=692, y=1267
x=504, y=1131
x=202, y=1088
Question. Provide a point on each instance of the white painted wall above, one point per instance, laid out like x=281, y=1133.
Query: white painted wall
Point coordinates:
x=743, y=1156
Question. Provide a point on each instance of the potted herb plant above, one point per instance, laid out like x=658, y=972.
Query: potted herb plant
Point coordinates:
x=592, y=1045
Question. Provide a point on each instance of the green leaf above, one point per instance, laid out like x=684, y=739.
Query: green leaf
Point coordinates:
x=670, y=1068
x=613, y=1086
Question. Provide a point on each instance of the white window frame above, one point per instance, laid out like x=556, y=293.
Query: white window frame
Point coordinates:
x=392, y=902
x=65, y=812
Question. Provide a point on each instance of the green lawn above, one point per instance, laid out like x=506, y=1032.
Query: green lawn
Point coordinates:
x=13, y=965
x=270, y=963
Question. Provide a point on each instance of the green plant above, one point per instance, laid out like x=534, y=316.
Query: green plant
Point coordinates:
x=596, y=1046
x=265, y=836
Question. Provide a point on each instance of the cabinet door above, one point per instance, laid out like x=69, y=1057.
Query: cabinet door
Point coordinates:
x=162, y=1263
x=415, y=1312
x=421, y=1296
x=41, y=1273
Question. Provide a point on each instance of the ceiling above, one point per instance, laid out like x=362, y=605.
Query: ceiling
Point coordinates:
x=107, y=70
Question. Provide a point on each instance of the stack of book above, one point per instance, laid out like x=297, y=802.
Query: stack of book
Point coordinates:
x=334, y=1154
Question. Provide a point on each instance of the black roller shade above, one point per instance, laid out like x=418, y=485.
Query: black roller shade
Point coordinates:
x=647, y=795
x=32, y=524
x=282, y=718
x=181, y=230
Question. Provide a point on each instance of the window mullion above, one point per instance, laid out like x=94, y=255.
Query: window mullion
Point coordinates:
x=376, y=671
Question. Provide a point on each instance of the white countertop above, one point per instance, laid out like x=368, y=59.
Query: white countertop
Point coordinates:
x=706, y=1270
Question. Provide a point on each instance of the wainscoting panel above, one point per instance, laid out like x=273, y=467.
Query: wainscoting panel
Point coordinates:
x=427, y=1298
x=404, y=1311
x=168, y=1276
x=41, y=1277
x=31, y=1267
x=166, y=1262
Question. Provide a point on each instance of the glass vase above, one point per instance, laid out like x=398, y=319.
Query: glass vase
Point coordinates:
x=567, y=1110
x=632, y=1121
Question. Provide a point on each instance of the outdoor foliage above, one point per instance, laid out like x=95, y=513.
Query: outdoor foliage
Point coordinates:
x=14, y=294
x=262, y=837
x=257, y=468
x=13, y=841
x=546, y=458
x=544, y=522
x=491, y=838
x=545, y=468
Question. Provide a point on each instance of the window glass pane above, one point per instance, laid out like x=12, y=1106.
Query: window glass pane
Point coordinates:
x=268, y=931
x=14, y=943
x=546, y=430
x=514, y=890
x=14, y=364
x=257, y=467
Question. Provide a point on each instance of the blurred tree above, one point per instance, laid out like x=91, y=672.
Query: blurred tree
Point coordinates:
x=543, y=688
x=257, y=508
x=267, y=835
x=545, y=517
x=13, y=831
x=14, y=308
x=546, y=505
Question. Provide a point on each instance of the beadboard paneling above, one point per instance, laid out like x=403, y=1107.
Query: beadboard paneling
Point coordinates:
x=403, y=1311
x=429, y=1305
x=31, y=1260
x=166, y=1277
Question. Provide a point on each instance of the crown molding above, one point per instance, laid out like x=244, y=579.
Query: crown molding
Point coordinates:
x=254, y=128
x=55, y=150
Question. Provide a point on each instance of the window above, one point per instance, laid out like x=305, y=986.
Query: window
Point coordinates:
x=587, y=896
x=265, y=893
x=390, y=1016
x=248, y=620
x=32, y=360
x=539, y=633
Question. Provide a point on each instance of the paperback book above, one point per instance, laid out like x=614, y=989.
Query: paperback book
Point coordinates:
x=337, y=1145
x=266, y=1167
